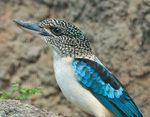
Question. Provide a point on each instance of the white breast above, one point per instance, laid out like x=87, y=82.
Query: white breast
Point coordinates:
x=73, y=91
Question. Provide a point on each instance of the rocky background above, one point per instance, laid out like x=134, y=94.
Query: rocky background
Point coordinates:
x=13, y=108
x=119, y=32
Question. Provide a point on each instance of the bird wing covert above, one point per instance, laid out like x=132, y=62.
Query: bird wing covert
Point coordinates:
x=105, y=87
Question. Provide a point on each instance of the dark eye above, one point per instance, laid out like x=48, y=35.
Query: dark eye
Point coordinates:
x=56, y=31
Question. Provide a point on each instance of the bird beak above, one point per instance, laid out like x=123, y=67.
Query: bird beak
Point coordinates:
x=32, y=27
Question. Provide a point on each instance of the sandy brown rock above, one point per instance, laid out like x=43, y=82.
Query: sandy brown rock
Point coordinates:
x=14, y=108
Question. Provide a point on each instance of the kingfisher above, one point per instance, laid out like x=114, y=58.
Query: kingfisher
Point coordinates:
x=82, y=78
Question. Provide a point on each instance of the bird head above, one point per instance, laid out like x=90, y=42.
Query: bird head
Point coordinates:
x=62, y=37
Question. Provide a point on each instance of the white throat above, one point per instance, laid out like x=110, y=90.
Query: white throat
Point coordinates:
x=55, y=54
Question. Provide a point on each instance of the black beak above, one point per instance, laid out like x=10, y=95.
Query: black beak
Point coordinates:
x=32, y=26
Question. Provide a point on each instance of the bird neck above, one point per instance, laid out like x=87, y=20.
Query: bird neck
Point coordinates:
x=73, y=53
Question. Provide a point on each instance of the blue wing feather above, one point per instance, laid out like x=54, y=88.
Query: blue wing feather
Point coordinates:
x=105, y=87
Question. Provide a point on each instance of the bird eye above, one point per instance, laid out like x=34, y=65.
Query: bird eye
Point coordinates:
x=56, y=31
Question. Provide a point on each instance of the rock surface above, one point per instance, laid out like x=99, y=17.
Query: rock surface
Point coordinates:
x=119, y=32
x=14, y=108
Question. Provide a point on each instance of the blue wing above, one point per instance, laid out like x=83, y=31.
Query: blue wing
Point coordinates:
x=105, y=87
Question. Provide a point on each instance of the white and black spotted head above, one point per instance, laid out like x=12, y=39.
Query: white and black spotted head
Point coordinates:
x=62, y=36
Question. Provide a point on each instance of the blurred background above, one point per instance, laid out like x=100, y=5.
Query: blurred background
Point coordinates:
x=119, y=33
